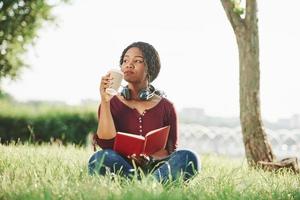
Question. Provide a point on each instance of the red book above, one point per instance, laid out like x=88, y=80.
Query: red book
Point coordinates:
x=128, y=144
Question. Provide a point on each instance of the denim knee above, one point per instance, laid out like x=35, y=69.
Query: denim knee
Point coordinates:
x=96, y=161
x=108, y=160
x=191, y=158
x=181, y=162
x=99, y=155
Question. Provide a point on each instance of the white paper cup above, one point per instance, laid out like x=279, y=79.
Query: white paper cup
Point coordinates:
x=117, y=76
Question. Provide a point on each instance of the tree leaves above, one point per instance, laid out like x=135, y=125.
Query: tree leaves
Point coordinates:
x=238, y=9
x=19, y=23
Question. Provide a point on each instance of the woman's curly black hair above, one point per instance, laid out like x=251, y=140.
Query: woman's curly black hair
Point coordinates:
x=151, y=58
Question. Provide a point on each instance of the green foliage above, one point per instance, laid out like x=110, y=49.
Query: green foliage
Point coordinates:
x=19, y=22
x=44, y=123
x=60, y=172
x=5, y=96
x=238, y=9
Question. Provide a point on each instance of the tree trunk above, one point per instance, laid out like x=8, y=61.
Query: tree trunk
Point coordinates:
x=257, y=147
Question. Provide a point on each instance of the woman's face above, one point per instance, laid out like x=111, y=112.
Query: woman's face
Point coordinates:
x=133, y=66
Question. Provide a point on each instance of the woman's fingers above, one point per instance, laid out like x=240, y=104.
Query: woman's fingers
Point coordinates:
x=106, y=81
x=144, y=156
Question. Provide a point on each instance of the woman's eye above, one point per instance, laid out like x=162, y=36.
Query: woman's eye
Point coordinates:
x=139, y=61
x=124, y=61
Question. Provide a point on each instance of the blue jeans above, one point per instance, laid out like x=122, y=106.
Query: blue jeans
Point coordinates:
x=180, y=163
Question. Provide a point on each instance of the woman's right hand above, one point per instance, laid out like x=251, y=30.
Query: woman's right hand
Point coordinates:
x=106, y=81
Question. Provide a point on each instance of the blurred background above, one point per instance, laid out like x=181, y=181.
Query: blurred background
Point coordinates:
x=200, y=69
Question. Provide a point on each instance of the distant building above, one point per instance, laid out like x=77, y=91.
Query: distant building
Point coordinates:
x=197, y=115
x=290, y=123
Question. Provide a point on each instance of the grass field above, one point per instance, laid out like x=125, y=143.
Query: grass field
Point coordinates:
x=60, y=172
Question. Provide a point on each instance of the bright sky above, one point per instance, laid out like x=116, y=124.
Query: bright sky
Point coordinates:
x=195, y=42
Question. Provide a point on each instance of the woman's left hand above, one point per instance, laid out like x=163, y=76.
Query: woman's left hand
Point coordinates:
x=141, y=160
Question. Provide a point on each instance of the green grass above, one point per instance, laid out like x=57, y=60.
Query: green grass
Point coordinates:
x=60, y=172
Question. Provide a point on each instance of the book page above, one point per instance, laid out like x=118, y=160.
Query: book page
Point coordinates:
x=132, y=135
x=155, y=130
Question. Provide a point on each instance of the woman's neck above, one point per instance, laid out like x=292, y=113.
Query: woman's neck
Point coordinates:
x=135, y=89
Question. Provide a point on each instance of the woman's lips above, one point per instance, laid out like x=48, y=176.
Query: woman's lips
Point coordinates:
x=128, y=72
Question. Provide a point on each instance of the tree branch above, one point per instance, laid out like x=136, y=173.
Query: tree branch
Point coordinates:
x=234, y=18
x=251, y=12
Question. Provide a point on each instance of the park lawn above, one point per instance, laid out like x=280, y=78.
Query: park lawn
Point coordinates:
x=60, y=172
